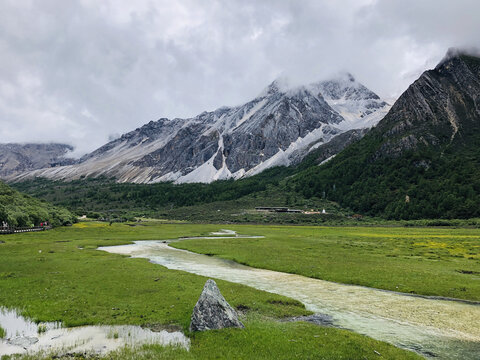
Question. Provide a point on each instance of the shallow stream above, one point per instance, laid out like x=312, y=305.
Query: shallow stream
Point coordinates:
x=434, y=328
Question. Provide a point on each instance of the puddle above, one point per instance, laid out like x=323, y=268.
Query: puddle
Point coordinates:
x=224, y=232
x=434, y=328
x=17, y=326
x=22, y=337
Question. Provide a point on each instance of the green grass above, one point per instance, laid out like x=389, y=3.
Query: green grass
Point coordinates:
x=2, y=333
x=427, y=261
x=269, y=340
x=60, y=276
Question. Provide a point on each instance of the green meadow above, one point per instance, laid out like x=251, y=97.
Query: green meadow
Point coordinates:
x=60, y=276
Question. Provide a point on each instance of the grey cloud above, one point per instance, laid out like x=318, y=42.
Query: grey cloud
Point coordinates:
x=79, y=71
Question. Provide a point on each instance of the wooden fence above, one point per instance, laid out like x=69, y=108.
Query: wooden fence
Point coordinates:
x=15, y=230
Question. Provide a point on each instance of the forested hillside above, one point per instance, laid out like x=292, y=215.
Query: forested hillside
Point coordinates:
x=21, y=210
x=105, y=196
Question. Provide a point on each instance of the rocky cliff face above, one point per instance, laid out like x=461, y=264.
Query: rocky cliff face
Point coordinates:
x=18, y=158
x=441, y=108
x=278, y=127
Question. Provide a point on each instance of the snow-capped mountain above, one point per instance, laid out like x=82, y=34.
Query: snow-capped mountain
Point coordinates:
x=278, y=127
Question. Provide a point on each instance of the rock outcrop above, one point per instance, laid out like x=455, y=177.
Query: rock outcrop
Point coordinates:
x=23, y=341
x=318, y=154
x=212, y=311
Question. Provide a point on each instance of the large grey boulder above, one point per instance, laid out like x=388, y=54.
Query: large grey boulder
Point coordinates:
x=212, y=311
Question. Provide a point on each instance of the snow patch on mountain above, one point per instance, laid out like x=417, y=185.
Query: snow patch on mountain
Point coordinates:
x=285, y=157
x=327, y=159
x=207, y=172
x=251, y=112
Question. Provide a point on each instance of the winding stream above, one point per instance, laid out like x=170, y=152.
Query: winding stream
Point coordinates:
x=434, y=328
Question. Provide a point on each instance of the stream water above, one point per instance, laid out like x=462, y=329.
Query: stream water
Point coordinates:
x=434, y=328
x=24, y=336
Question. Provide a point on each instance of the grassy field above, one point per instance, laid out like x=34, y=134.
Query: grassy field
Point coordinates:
x=427, y=261
x=60, y=276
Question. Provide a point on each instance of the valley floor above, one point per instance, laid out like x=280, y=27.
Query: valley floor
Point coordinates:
x=61, y=276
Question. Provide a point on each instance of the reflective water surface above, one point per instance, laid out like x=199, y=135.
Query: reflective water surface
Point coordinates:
x=17, y=326
x=22, y=336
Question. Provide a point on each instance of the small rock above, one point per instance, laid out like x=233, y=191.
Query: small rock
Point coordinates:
x=212, y=311
x=317, y=319
x=23, y=341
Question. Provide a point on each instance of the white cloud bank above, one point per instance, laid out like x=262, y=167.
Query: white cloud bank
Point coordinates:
x=82, y=71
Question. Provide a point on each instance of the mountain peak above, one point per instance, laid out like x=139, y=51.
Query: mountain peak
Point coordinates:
x=457, y=53
x=344, y=76
x=279, y=85
x=284, y=84
x=439, y=110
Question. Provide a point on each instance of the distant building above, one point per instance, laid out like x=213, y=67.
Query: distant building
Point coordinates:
x=277, y=209
x=315, y=212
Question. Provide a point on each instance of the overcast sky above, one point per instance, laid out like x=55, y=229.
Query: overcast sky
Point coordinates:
x=82, y=71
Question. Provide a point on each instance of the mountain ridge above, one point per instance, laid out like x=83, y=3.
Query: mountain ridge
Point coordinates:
x=278, y=127
x=15, y=157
